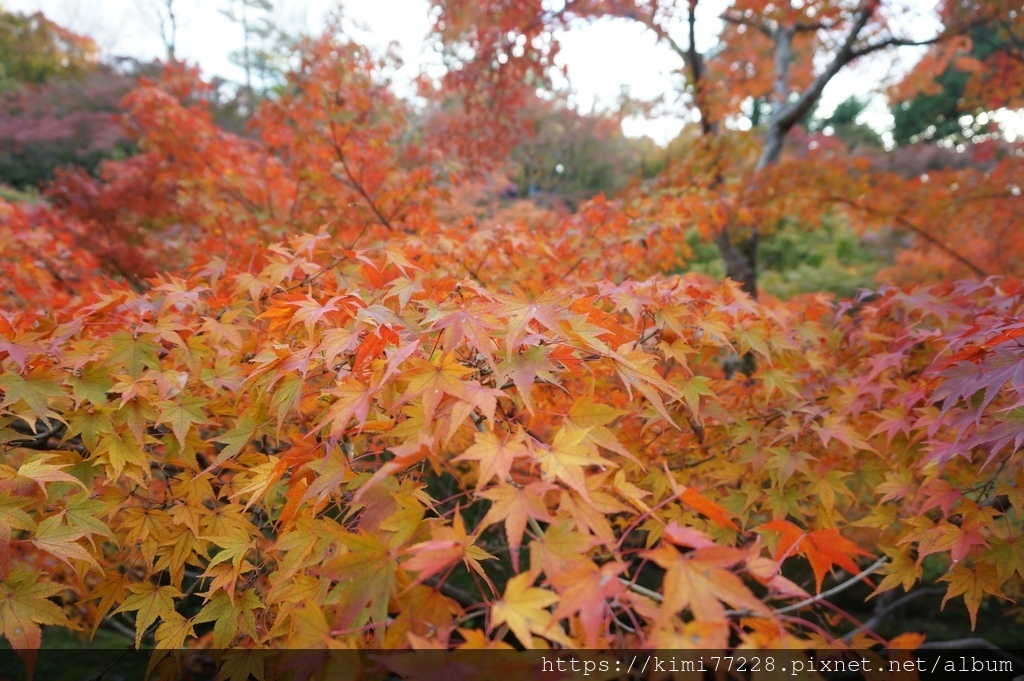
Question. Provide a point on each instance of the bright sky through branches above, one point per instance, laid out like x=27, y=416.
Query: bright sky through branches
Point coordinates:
x=600, y=58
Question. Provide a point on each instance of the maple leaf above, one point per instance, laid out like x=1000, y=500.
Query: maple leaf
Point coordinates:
x=946, y=536
x=234, y=548
x=40, y=471
x=229, y=615
x=460, y=324
x=433, y=381
x=525, y=367
x=636, y=369
x=243, y=664
x=236, y=439
x=699, y=580
x=181, y=414
x=523, y=609
x=901, y=569
x=972, y=584
x=702, y=504
x=366, y=576
x=424, y=611
x=24, y=604
x=559, y=548
x=91, y=384
x=353, y=400
x=110, y=590
x=171, y=634
x=822, y=548
x=449, y=545
x=34, y=391
x=692, y=391
x=587, y=589
x=566, y=457
x=516, y=505
x=12, y=517
x=1007, y=555
x=834, y=426
x=310, y=312
x=476, y=639
x=136, y=353
x=124, y=455
x=60, y=541
x=521, y=312
x=150, y=602
x=587, y=414
x=496, y=455
x=633, y=494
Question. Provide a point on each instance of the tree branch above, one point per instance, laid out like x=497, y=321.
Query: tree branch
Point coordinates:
x=893, y=42
x=788, y=117
x=968, y=644
x=838, y=588
x=696, y=65
x=802, y=27
x=761, y=26
x=338, y=151
x=885, y=609
x=904, y=222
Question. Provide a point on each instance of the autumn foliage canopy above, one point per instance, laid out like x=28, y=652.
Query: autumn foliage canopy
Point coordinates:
x=310, y=387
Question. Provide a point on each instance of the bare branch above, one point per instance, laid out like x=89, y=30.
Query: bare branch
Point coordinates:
x=804, y=27
x=340, y=153
x=886, y=609
x=838, y=588
x=696, y=64
x=761, y=26
x=971, y=643
x=893, y=42
x=788, y=117
x=904, y=222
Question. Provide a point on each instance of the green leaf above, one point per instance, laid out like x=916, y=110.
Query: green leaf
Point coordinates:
x=228, y=617
x=34, y=392
x=180, y=413
x=235, y=439
x=92, y=384
x=136, y=353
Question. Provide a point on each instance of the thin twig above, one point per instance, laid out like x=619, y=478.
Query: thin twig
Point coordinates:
x=838, y=588
x=878, y=617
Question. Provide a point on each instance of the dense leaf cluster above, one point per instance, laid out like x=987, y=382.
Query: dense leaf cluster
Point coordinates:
x=332, y=399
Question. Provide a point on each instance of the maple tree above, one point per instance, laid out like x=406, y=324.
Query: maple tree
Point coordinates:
x=301, y=389
x=65, y=121
x=34, y=49
x=766, y=55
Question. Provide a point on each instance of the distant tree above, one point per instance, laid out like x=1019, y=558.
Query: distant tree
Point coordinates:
x=34, y=49
x=778, y=53
x=842, y=123
x=948, y=95
x=66, y=121
x=576, y=155
x=168, y=20
x=265, y=47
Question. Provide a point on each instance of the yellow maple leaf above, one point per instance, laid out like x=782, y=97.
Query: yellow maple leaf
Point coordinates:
x=523, y=610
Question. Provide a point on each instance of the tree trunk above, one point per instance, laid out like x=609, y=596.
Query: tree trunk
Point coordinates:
x=740, y=256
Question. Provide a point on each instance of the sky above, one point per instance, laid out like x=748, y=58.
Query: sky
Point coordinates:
x=601, y=58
